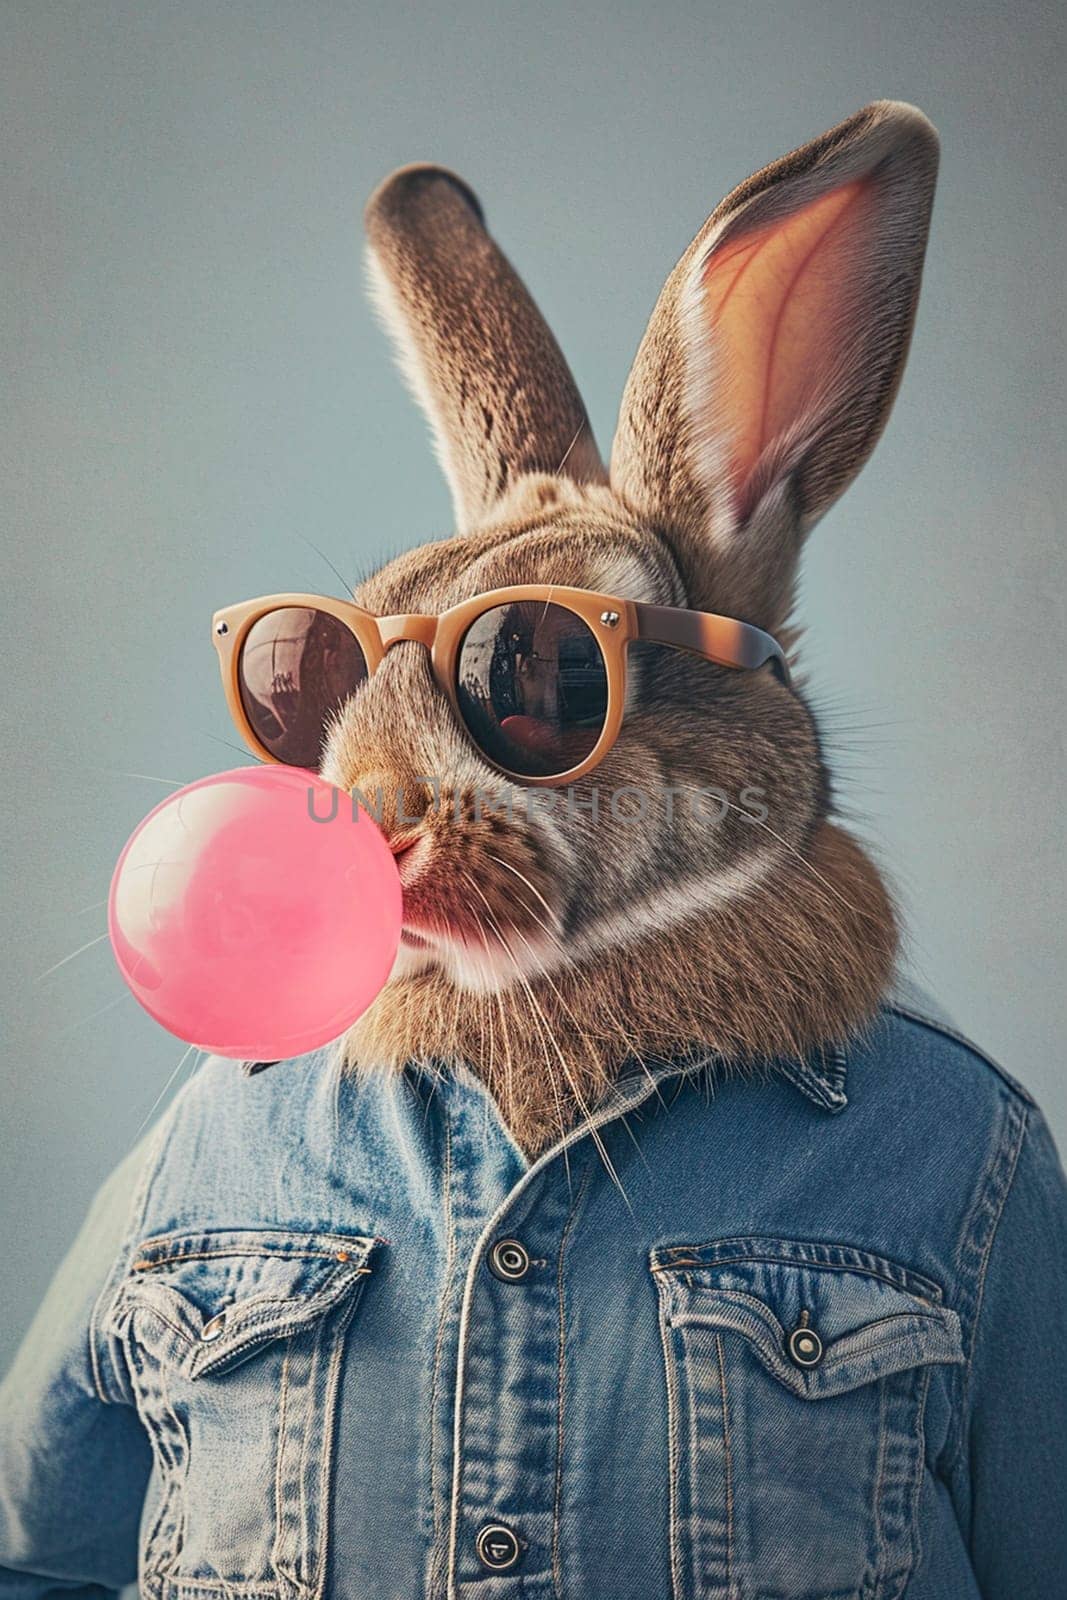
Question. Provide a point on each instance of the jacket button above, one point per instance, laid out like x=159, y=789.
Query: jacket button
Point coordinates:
x=509, y=1260
x=804, y=1345
x=212, y=1329
x=498, y=1548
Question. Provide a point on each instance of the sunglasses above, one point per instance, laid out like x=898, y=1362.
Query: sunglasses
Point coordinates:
x=536, y=674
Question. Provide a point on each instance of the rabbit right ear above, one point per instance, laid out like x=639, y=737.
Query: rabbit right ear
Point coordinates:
x=774, y=353
x=479, y=356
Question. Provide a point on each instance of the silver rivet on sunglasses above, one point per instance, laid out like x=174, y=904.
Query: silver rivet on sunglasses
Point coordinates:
x=610, y=619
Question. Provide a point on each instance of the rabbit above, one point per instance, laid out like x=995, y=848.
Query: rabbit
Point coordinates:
x=516, y=1292
x=547, y=945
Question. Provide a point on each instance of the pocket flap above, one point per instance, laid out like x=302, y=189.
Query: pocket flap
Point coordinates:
x=870, y=1317
x=205, y=1301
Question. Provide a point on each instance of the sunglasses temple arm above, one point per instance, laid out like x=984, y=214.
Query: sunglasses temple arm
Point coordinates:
x=724, y=640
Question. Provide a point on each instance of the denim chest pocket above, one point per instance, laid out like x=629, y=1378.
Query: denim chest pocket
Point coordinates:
x=233, y=1341
x=797, y=1376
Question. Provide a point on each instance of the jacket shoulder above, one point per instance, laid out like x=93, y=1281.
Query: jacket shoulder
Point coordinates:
x=226, y=1133
x=223, y=1090
x=909, y=1007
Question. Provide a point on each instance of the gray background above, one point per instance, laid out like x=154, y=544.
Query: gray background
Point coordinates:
x=194, y=386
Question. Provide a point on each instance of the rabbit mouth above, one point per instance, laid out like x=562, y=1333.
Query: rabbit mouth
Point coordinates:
x=472, y=955
x=483, y=913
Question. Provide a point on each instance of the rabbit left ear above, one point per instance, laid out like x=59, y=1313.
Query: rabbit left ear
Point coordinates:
x=774, y=353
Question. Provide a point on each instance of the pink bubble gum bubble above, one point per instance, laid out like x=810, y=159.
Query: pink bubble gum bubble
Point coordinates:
x=256, y=913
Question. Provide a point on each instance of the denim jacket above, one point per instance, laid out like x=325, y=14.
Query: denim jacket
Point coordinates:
x=790, y=1337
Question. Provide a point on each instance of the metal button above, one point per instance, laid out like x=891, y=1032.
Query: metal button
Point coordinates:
x=212, y=1329
x=509, y=1260
x=804, y=1345
x=498, y=1548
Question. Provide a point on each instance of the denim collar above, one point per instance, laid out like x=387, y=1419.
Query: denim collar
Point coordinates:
x=820, y=1076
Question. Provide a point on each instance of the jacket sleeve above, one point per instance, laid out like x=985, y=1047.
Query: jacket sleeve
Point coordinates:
x=1015, y=1455
x=74, y=1460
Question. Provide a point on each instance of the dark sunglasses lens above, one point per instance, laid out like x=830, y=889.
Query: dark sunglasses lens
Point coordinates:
x=297, y=667
x=533, y=687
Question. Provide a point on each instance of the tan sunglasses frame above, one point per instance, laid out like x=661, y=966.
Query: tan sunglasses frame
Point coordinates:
x=614, y=623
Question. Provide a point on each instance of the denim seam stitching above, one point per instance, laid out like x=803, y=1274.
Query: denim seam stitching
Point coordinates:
x=766, y=1315
x=278, y=1241
x=859, y=1261
x=936, y=1025
x=112, y=1286
x=673, y=1456
x=182, y=1478
x=300, y=1570
x=215, y=1586
x=277, y=1553
x=915, y=1521
x=240, y=1308
x=179, y=1258
x=989, y=1205
x=557, y=1493
x=159, y=1452
x=253, y=1325
x=728, y=1466
x=879, y=1488
x=153, y=1310
x=329, y=1424
x=438, y=1348
x=833, y=1353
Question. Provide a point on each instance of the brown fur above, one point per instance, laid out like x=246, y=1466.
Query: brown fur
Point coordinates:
x=462, y=305
x=547, y=949
x=803, y=964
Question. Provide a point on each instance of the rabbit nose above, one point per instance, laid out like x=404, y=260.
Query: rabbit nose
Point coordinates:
x=400, y=810
x=411, y=852
x=399, y=803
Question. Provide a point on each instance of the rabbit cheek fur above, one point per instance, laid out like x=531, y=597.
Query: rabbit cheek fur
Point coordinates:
x=716, y=907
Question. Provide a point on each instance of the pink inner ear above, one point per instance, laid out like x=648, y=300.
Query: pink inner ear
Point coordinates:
x=779, y=299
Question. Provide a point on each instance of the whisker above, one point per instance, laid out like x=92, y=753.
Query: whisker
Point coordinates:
x=74, y=953
x=250, y=759
x=144, y=777
x=155, y=1104
x=345, y=585
x=72, y=1027
x=501, y=1008
x=793, y=851
x=533, y=890
x=337, y=1069
x=622, y=1033
x=570, y=447
x=594, y=1133
x=484, y=939
x=580, y=1031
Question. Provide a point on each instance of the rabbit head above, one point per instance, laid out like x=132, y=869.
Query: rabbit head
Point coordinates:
x=691, y=893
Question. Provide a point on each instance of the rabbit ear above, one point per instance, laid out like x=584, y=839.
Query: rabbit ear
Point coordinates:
x=775, y=350
x=490, y=377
